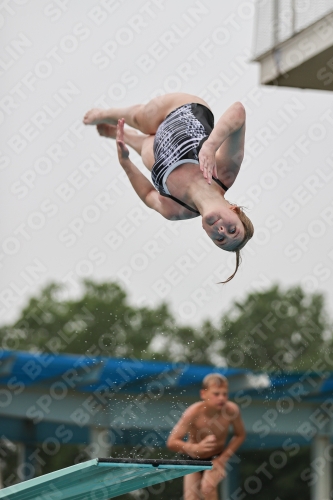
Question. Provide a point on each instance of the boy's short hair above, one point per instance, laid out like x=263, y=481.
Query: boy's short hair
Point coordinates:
x=214, y=378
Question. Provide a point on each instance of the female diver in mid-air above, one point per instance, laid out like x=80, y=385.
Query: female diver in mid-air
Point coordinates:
x=178, y=134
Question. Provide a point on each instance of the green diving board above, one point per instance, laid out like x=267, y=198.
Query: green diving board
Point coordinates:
x=101, y=479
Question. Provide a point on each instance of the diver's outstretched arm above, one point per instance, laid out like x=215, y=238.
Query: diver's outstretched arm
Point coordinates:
x=141, y=185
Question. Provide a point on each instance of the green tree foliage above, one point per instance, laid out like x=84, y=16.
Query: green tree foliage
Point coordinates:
x=100, y=322
x=276, y=330
x=272, y=330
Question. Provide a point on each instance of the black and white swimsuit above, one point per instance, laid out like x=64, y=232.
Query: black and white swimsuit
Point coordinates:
x=178, y=140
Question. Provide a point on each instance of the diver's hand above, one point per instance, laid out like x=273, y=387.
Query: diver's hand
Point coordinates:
x=123, y=152
x=207, y=162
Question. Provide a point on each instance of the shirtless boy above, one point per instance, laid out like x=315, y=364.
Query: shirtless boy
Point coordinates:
x=206, y=424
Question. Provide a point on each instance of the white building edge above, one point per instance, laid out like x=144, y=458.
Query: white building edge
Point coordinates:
x=293, y=42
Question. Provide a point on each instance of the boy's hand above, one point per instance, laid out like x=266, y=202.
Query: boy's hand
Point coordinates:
x=207, y=444
x=123, y=152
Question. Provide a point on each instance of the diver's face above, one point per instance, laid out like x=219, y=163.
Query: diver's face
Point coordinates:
x=225, y=228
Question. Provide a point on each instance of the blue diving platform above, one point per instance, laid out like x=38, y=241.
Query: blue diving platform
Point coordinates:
x=102, y=478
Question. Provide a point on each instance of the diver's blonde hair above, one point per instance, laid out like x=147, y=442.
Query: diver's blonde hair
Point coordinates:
x=249, y=231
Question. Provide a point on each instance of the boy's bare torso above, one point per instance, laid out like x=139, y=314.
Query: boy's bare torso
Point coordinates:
x=203, y=425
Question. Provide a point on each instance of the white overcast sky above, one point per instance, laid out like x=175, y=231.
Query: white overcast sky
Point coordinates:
x=68, y=213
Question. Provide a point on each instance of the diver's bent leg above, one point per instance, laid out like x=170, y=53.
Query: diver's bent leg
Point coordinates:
x=144, y=117
x=147, y=152
x=135, y=140
x=111, y=116
x=150, y=116
x=131, y=137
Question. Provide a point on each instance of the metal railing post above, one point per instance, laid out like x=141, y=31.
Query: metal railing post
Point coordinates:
x=276, y=23
x=293, y=17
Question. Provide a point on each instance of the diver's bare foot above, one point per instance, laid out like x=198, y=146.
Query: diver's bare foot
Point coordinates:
x=106, y=130
x=96, y=116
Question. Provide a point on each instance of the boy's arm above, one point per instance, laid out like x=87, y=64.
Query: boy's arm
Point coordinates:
x=237, y=439
x=176, y=441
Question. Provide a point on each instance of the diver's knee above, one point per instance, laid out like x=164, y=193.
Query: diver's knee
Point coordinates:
x=147, y=152
x=137, y=116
